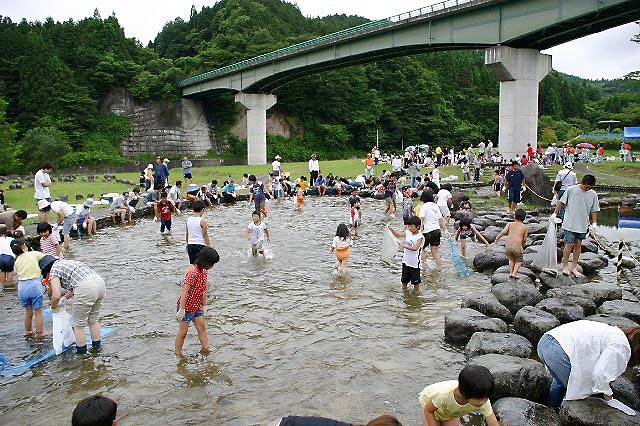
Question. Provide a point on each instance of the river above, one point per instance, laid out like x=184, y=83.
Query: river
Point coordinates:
x=289, y=335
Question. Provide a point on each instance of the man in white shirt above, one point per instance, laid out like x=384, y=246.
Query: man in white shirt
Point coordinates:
x=314, y=168
x=276, y=166
x=42, y=182
x=175, y=196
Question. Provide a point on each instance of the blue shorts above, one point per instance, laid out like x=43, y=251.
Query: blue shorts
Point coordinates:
x=189, y=316
x=570, y=237
x=30, y=293
x=278, y=193
x=6, y=263
x=68, y=223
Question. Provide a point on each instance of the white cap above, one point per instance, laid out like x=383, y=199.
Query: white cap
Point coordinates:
x=166, y=160
x=89, y=202
x=568, y=166
x=42, y=204
x=149, y=166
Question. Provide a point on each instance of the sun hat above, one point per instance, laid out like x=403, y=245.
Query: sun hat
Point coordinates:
x=149, y=166
x=166, y=160
x=89, y=202
x=43, y=204
x=568, y=166
x=46, y=261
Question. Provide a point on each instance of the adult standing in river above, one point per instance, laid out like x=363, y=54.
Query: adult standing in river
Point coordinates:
x=314, y=168
x=514, y=181
x=86, y=289
x=564, y=179
x=580, y=201
x=41, y=184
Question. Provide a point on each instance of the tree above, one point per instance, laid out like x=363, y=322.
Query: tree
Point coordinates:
x=9, y=149
x=42, y=144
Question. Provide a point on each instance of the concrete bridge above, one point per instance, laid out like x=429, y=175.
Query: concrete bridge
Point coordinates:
x=512, y=31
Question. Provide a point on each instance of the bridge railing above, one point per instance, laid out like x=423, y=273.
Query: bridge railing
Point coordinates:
x=436, y=8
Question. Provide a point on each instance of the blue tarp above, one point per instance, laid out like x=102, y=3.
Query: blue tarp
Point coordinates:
x=632, y=133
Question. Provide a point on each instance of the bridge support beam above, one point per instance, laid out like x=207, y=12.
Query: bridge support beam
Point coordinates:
x=519, y=72
x=257, y=105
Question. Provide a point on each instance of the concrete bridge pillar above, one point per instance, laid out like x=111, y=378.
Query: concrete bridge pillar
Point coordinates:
x=257, y=105
x=519, y=72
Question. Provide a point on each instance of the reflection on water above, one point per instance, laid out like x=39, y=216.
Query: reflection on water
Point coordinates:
x=289, y=335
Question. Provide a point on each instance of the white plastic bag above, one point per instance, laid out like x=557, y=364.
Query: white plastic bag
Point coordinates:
x=389, y=247
x=63, y=336
x=547, y=257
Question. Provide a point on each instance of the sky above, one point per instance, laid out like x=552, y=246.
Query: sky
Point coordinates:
x=609, y=54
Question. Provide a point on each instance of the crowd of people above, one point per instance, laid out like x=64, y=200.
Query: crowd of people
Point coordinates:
x=426, y=203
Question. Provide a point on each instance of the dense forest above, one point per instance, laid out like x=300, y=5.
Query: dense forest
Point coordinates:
x=53, y=75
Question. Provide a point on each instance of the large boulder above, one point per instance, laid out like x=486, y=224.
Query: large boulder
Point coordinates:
x=483, y=343
x=503, y=277
x=523, y=271
x=460, y=325
x=564, y=310
x=540, y=186
x=482, y=221
x=621, y=308
x=590, y=262
x=538, y=228
x=550, y=280
x=516, y=377
x=587, y=304
x=491, y=232
x=532, y=323
x=522, y=412
x=487, y=304
x=514, y=295
x=613, y=320
x=490, y=259
x=598, y=292
x=594, y=412
x=625, y=391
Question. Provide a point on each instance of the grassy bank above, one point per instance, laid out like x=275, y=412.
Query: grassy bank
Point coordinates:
x=615, y=172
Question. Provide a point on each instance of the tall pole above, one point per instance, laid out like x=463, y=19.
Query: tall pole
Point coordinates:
x=377, y=138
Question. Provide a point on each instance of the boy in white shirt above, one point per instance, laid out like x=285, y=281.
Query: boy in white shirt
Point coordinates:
x=412, y=245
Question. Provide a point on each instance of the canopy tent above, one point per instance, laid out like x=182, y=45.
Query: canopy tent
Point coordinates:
x=632, y=133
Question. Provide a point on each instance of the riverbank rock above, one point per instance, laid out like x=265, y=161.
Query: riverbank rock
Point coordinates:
x=624, y=390
x=598, y=292
x=460, y=325
x=549, y=280
x=523, y=271
x=590, y=262
x=565, y=294
x=487, y=304
x=482, y=343
x=594, y=412
x=516, y=377
x=514, y=295
x=621, y=308
x=613, y=320
x=564, y=310
x=522, y=412
x=503, y=277
x=532, y=323
x=490, y=259
x=491, y=232
x=538, y=228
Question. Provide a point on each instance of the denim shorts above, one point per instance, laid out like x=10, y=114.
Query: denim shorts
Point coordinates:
x=570, y=237
x=68, y=223
x=189, y=316
x=30, y=293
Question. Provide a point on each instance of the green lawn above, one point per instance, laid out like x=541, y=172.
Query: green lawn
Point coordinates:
x=626, y=173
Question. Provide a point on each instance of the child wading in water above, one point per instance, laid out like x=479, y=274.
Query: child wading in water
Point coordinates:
x=30, y=290
x=256, y=232
x=193, y=298
x=341, y=246
x=49, y=242
x=467, y=231
x=443, y=403
x=412, y=245
x=516, y=233
x=165, y=208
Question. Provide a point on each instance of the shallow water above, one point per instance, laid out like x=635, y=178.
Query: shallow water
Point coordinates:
x=289, y=336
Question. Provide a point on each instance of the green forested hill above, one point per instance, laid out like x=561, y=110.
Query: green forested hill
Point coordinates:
x=53, y=74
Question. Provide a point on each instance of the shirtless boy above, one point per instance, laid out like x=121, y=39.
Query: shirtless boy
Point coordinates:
x=516, y=233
